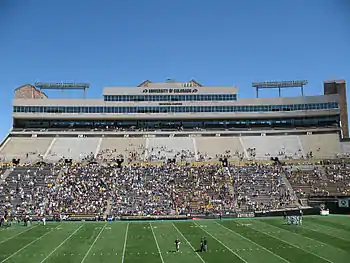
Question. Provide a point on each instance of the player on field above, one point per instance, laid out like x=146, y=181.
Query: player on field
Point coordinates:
x=204, y=245
x=177, y=245
x=25, y=220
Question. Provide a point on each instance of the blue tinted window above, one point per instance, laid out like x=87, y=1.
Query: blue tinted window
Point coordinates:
x=180, y=97
x=153, y=109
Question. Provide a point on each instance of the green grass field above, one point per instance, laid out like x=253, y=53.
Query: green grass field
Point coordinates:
x=320, y=239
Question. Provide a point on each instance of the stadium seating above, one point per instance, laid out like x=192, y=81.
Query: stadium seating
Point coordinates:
x=306, y=181
x=265, y=147
x=260, y=187
x=321, y=145
x=338, y=177
x=72, y=148
x=25, y=148
x=330, y=180
x=172, y=189
x=52, y=149
x=180, y=148
x=99, y=189
x=128, y=148
x=345, y=147
x=214, y=147
x=27, y=188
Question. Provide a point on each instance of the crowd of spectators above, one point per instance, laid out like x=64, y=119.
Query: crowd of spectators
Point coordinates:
x=164, y=189
x=261, y=187
x=172, y=189
x=162, y=153
x=27, y=190
x=237, y=155
x=131, y=153
x=319, y=180
x=307, y=181
x=339, y=178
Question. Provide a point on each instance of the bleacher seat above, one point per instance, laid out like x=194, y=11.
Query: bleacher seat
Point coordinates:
x=72, y=148
x=273, y=146
x=321, y=145
x=20, y=147
x=170, y=147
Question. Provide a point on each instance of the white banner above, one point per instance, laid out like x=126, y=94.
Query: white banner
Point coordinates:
x=343, y=202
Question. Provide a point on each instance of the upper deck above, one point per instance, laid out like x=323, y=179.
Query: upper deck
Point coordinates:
x=159, y=103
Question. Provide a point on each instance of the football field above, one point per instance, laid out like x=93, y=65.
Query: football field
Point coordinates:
x=319, y=239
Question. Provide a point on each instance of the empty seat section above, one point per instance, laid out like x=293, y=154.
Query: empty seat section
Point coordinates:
x=77, y=149
x=345, y=147
x=25, y=148
x=128, y=148
x=321, y=145
x=215, y=147
x=264, y=147
x=181, y=148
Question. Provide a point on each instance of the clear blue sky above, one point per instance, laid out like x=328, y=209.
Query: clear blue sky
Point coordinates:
x=222, y=42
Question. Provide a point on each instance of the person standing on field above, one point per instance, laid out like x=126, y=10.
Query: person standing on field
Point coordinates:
x=177, y=245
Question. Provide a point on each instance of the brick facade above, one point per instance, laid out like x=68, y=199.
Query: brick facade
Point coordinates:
x=29, y=92
x=339, y=87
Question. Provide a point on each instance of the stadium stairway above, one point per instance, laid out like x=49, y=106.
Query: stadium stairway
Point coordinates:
x=98, y=148
x=4, y=174
x=289, y=186
x=246, y=155
x=323, y=172
x=62, y=172
x=49, y=148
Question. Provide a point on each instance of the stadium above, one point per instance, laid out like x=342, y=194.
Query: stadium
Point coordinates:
x=120, y=178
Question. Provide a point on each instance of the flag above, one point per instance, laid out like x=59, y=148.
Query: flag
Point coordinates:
x=343, y=202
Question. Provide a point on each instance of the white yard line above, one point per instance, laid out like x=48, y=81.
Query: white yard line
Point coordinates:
x=160, y=253
x=326, y=230
x=19, y=250
x=221, y=243
x=93, y=243
x=188, y=243
x=64, y=241
x=18, y=234
x=125, y=239
x=234, y=232
x=284, y=241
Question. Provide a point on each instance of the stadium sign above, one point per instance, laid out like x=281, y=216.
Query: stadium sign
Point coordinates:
x=245, y=214
x=280, y=84
x=343, y=202
x=170, y=90
x=61, y=85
